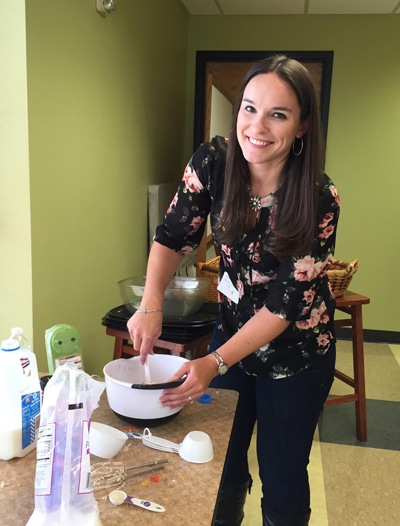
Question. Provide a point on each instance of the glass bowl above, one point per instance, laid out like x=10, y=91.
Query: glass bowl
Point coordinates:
x=184, y=295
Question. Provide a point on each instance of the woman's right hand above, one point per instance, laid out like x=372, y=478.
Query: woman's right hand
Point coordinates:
x=144, y=330
x=145, y=327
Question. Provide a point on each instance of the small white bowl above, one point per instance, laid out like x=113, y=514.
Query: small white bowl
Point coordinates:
x=105, y=441
x=196, y=447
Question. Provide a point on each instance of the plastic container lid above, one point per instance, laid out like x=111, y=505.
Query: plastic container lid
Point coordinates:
x=9, y=345
x=205, y=399
x=17, y=331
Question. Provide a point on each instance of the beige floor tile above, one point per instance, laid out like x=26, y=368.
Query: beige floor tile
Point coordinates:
x=382, y=376
x=362, y=485
x=396, y=352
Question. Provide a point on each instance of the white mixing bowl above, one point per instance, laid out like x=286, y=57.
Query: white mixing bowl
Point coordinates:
x=131, y=398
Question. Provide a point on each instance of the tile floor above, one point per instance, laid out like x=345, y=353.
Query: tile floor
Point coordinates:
x=354, y=483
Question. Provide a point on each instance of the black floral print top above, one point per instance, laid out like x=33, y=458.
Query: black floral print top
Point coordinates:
x=296, y=289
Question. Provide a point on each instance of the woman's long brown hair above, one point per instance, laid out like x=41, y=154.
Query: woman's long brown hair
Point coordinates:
x=295, y=220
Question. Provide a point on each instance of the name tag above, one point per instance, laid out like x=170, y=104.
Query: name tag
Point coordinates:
x=228, y=289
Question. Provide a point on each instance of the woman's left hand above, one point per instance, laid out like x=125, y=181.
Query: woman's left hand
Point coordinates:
x=199, y=374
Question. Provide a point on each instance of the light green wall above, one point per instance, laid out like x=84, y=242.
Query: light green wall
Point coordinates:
x=106, y=109
x=363, y=155
x=106, y=118
x=15, y=223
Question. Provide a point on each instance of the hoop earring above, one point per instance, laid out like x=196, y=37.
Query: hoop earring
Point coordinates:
x=298, y=152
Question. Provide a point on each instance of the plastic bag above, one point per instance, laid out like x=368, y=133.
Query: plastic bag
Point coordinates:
x=63, y=491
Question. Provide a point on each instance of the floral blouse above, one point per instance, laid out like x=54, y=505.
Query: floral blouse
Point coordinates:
x=296, y=289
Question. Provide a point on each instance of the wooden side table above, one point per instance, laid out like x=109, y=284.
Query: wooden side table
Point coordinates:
x=123, y=347
x=351, y=303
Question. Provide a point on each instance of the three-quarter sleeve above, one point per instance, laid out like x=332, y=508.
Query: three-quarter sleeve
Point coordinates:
x=185, y=221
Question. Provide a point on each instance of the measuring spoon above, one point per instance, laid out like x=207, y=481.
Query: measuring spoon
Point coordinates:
x=118, y=497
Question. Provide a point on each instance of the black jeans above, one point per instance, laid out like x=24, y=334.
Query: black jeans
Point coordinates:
x=286, y=412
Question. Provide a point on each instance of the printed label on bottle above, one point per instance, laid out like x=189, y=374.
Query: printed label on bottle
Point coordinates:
x=30, y=406
x=85, y=485
x=45, y=458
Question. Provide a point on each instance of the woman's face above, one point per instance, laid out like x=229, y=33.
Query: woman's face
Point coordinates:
x=268, y=121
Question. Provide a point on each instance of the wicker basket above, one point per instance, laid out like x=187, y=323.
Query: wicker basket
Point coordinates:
x=340, y=274
x=209, y=269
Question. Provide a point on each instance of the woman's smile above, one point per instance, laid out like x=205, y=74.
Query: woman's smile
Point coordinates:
x=258, y=142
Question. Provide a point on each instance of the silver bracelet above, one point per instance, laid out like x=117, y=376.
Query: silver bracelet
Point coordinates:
x=145, y=311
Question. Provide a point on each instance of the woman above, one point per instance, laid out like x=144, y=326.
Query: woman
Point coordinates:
x=273, y=213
